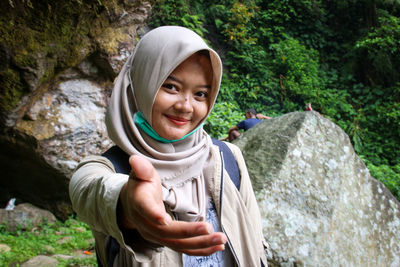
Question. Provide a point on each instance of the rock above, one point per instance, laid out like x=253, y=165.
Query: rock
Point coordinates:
x=116, y=42
x=66, y=125
x=69, y=124
x=319, y=204
x=64, y=257
x=56, y=89
x=4, y=248
x=64, y=240
x=77, y=254
x=50, y=249
x=90, y=241
x=80, y=229
x=36, y=214
x=23, y=216
x=40, y=260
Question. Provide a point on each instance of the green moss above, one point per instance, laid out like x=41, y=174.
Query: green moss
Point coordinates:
x=56, y=31
x=11, y=89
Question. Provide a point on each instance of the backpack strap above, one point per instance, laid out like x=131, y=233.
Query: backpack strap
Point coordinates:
x=119, y=159
x=230, y=163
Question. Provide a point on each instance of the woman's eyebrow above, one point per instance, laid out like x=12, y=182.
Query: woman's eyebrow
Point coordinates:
x=174, y=79
x=207, y=86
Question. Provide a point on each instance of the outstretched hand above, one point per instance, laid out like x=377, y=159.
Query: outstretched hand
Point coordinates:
x=143, y=209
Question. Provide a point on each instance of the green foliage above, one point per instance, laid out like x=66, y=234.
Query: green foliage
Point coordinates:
x=171, y=12
x=237, y=27
x=389, y=176
x=379, y=52
x=298, y=70
x=377, y=123
x=302, y=20
x=224, y=116
x=89, y=261
x=45, y=240
x=341, y=56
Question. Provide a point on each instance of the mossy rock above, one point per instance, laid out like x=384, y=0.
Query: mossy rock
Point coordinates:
x=39, y=39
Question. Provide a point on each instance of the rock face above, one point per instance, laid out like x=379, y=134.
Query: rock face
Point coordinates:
x=319, y=204
x=23, y=216
x=60, y=59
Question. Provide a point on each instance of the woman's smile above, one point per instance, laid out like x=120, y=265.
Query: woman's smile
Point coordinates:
x=177, y=120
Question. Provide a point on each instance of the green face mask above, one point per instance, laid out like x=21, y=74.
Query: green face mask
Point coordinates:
x=141, y=122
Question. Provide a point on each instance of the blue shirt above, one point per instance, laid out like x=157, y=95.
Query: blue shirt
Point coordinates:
x=248, y=123
x=217, y=259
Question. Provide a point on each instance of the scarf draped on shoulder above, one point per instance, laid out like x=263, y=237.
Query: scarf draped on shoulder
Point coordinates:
x=181, y=165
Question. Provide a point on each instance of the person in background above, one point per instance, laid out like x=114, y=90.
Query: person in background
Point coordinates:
x=252, y=119
x=262, y=117
x=163, y=195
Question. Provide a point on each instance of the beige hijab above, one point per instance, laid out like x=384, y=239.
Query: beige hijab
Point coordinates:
x=181, y=165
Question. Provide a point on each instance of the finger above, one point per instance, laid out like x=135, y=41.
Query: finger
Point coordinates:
x=147, y=192
x=142, y=198
x=202, y=252
x=186, y=239
x=148, y=203
x=199, y=242
x=177, y=230
x=142, y=168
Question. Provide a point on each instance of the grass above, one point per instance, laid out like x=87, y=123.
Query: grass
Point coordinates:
x=68, y=238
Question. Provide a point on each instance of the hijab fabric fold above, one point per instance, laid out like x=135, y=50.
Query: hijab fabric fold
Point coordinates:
x=180, y=164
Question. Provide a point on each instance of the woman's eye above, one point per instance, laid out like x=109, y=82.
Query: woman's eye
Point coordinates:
x=169, y=86
x=202, y=94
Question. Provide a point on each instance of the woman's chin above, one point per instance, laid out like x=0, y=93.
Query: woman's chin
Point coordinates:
x=175, y=135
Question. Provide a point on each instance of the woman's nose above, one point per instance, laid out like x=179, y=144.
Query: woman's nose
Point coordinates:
x=184, y=103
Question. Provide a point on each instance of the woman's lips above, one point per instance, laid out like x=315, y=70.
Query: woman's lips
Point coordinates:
x=177, y=120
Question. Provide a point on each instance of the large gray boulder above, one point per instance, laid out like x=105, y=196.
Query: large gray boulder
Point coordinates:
x=319, y=204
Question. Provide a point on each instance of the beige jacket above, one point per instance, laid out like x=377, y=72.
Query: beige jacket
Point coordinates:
x=94, y=190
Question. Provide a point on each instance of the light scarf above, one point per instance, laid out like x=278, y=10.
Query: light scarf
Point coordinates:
x=181, y=165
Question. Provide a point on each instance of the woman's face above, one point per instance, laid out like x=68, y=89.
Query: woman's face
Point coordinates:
x=182, y=101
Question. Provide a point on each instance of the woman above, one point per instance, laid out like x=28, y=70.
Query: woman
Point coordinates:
x=178, y=206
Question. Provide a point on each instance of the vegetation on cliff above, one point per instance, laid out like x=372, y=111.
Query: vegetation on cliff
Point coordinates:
x=39, y=39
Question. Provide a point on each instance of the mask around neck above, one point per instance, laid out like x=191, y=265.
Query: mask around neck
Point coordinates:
x=141, y=122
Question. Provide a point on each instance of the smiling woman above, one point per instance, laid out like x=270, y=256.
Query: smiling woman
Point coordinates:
x=164, y=183
x=182, y=102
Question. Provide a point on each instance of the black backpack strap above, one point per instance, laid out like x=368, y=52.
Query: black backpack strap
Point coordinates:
x=113, y=250
x=119, y=159
x=230, y=163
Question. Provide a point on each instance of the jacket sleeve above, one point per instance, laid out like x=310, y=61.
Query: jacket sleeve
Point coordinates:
x=94, y=191
x=248, y=196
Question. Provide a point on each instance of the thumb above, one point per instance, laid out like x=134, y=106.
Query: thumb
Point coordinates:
x=148, y=192
x=142, y=168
